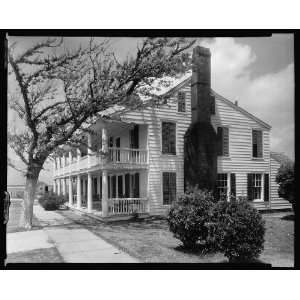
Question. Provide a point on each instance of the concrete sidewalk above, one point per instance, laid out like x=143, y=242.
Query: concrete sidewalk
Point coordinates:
x=78, y=245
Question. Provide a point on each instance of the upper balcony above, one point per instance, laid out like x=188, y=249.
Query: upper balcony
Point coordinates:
x=111, y=147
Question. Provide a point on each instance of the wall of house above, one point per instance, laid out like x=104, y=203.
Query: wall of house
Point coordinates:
x=158, y=162
x=240, y=159
x=275, y=199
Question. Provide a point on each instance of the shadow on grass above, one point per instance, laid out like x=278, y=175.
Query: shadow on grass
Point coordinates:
x=289, y=217
x=199, y=249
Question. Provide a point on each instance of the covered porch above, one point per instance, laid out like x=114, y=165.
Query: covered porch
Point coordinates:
x=107, y=193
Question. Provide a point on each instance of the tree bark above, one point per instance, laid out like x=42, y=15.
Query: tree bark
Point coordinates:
x=29, y=195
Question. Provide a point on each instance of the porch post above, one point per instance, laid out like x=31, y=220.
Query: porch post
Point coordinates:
x=78, y=191
x=70, y=191
x=89, y=193
x=104, y=140
x=58, y=186
x=98, y=185
x=64, y=186
x=70, y=156
x=104, y=194
x=89, y=150
x=54, y=186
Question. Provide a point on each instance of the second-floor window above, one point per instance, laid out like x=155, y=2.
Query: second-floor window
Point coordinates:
x=257, y=143
x=168, y=138
x=181, y=101
x=223, y=141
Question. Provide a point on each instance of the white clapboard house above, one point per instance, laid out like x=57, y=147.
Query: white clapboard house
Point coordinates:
x=144, y=169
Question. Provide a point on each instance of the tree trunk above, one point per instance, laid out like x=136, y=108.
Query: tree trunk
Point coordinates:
x=29, y=194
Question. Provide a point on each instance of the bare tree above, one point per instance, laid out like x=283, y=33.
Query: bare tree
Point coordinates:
x=57, y=94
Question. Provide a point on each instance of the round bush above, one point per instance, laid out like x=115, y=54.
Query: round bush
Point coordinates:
x=51, y=201
x=240, y=230
x=188, y=215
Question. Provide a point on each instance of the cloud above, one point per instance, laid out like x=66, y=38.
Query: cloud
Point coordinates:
x=270, y=96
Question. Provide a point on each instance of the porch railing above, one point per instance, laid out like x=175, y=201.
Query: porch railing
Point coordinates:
x=118, y=206
x=128, y=155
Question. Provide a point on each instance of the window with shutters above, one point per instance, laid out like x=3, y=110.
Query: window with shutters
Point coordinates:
x=169, y=187
x=222, y=186
x=168, y=138
x=223, y=141
x=254, y=186
x=257, y=144
x=181, y=101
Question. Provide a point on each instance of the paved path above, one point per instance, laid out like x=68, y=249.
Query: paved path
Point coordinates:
x=78, y=244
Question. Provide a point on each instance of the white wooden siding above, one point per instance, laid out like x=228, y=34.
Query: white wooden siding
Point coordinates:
x=159, y=162
x=240, y=159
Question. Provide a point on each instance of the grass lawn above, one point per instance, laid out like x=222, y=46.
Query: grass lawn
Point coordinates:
x=150, y=240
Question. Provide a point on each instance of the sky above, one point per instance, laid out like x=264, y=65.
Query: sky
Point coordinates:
x=256, y=72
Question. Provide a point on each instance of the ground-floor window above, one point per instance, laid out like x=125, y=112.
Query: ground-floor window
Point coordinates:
x=255, y=186
x=222, y=186
x=169, y=187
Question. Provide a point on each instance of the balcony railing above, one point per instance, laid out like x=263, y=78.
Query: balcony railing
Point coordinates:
x=115, y=156
x=128, y=155
x=117, y=206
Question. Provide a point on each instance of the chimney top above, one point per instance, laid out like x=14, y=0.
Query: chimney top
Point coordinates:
x=201, y=51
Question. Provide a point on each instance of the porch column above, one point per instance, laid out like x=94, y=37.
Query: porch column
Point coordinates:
x=104, y=194
x=98, y=185
x=64, y=186
x=70, y=157
x=104, y=140
x=70, y=191
x=78, y=154
x=89, y=193
x=89, y=150
x=78, y=191
x=54, y=186
x=58, y=186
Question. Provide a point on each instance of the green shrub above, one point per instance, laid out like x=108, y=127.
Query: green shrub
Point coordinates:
x=239, y=230
x=285, y=178
x=188, y=216
x=51, y=201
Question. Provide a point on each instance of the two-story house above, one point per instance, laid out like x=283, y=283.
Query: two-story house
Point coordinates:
x=140, y=167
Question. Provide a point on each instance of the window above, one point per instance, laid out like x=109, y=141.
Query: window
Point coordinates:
x=222, y=186
x=254, y=186
x=223, y=141
x=181, y=101
x=169, y=188
x=256, y=143
x=168, y=138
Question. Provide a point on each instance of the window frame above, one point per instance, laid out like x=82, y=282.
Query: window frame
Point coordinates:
x=262, y=186
x=161, y=137
x=228, y=128
x=162, y=186
x=184, y=99
x=262, y=144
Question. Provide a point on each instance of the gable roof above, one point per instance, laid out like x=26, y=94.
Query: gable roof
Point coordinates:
x=175, y=85
x=280, y=157
x=188, y=79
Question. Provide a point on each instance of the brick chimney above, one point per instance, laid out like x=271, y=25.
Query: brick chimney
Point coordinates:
x=201, y=78
x=200, y=141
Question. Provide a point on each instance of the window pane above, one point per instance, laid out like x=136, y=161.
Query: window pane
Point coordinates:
x=222, y=185
x=181, y=102
x=169, y=187
x=220, y=141
x=168, y=138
